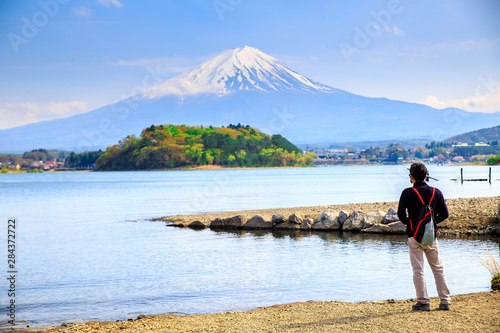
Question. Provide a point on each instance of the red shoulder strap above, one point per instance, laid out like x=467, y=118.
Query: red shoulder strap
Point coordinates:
x=432, y=197
x=414, y=189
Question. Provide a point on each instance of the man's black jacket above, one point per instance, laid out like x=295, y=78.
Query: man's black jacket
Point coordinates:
x=409, y=202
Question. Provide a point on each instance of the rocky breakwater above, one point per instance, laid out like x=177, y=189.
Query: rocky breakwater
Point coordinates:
x=328, y=220
x=468, y=216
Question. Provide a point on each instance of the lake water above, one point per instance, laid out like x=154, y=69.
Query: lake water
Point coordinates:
x=86, y=250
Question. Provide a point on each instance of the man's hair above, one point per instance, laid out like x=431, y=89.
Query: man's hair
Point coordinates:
x=418, y=171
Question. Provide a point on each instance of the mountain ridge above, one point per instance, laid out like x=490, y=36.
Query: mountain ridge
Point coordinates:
x=244, y=85
x=481, y=135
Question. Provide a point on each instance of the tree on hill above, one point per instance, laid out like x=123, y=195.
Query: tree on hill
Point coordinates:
x=493, y=160
x=395, y=151
x=482, y=135
x=39, y=155
x=172, y=146
x=82, y=160
x=469, y=151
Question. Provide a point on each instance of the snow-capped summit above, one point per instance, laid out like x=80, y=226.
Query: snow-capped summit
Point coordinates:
x=243, y=68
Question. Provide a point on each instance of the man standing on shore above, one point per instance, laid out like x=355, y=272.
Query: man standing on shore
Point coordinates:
x=408, y=212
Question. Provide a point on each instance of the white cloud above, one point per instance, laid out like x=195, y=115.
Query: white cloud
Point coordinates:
x=397, y=31
x=110, y=3
x=488, y=103
x=29, y=106
x=81, y=11
x=391, y=30
x=66, y=108
x=17, y=114
x=179, y=86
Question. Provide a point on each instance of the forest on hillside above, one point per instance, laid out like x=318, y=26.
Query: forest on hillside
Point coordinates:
x=172, y=146
x=482, y=135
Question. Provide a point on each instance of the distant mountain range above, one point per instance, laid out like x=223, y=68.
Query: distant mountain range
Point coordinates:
x=483, y=135
x=244, y=85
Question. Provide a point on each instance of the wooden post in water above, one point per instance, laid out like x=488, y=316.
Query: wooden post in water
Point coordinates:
x=462, y=175
x=490, y=176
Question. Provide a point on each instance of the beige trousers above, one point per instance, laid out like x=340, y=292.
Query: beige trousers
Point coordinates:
x=417, y=251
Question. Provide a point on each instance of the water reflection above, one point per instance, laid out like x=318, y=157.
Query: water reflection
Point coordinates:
x=337, y=236
x=327, y=236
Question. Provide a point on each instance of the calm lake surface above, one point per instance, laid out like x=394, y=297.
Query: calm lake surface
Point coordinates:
x=86, y=250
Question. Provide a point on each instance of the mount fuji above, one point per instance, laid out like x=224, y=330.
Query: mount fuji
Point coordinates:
x=244, y=85
x=244, y=68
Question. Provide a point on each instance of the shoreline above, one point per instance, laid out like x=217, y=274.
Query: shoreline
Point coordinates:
x=468, y=216
x=222, y=167
x=469, y=312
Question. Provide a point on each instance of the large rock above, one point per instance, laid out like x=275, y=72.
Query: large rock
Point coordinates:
x=287, y=226
x=375, y=217
x=391, y=216
x=355, y=222
x=397, y=227
x=196, y=225
x=179, y=224
x=391, y=228
x=378, y=228
x=295, y=218
x=235, y=222
x=257, y=222
x=306, y=224
x=495, y=231
x=343, y=216
x=328, y=220
x=218, y=223
x=294, y=222
x=277, y=219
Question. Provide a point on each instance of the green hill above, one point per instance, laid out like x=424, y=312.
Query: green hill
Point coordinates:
x=172, y=146
x=483, y=135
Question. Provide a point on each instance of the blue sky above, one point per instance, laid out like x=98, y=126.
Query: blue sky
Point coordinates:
x=63, y=57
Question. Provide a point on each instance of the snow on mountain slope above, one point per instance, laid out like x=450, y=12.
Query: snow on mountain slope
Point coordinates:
x=244, y=68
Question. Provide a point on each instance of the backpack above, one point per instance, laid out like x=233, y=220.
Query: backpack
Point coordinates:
x=425, y=230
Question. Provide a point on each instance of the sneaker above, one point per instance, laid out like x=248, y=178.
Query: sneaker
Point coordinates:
x=444, y=307
x=420, y=307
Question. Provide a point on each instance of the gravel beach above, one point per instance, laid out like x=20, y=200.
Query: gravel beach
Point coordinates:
x=478, y=312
